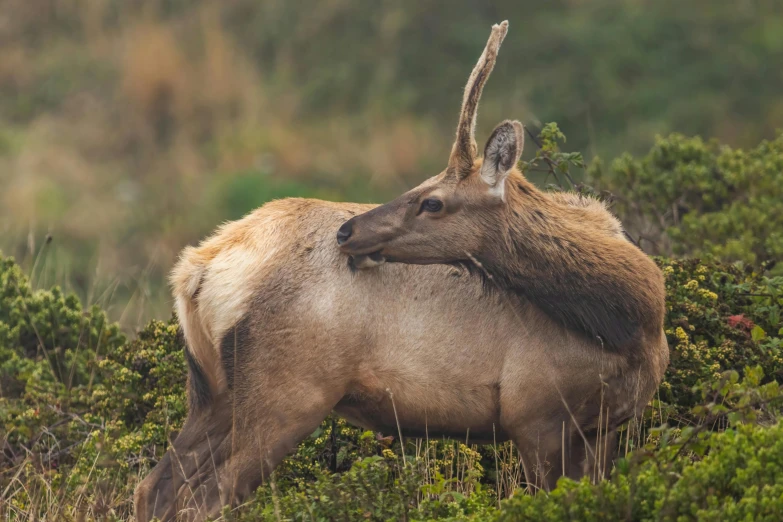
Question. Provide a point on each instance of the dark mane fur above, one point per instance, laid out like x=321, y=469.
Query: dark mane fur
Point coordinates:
x=603, y=287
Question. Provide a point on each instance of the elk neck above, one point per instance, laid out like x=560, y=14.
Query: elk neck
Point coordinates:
x=563, y=261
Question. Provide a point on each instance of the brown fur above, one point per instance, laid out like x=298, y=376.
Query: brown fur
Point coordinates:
x=282, y=328
x=571, y=261
x=590, y=281
x=315, y=336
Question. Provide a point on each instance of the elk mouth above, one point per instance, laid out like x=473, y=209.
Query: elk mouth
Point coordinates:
x=371, y=260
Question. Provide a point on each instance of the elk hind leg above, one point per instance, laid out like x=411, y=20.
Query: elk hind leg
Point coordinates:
x=265, y=431
x=175, y=478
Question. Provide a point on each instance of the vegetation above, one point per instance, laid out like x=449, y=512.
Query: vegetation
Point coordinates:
x=85, y=412
x=696, y=198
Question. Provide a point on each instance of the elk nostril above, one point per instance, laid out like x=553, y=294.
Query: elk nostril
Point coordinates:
x=345, y=232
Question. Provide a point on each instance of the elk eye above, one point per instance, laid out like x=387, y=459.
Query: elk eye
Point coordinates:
x=431, y=205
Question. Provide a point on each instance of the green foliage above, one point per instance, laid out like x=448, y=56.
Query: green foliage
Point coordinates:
x=713, y=310
x=247, y=191
x=50, y=325
x=85, y=413
x=740, y=478
x=142, y=384
x=652, y=66
x=375, y=488
x=371, y=489
x=696, y=198
x=48, y=350
x=80, y=404
x=551, y=161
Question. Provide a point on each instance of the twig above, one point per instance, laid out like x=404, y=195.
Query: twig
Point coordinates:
x=552, y=164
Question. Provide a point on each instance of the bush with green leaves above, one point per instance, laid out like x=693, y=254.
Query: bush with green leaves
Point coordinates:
x=718, y=317
x=84, y=414
x=696, y=198
x=687, y=473
x=80, y=404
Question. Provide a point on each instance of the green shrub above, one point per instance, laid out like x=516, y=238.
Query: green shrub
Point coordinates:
x=740, y=478
x=375, y=488
x=48, y=351
x=719, y=318
x=696, y=198
x=79, y=403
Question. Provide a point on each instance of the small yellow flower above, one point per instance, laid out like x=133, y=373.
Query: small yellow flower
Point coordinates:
x=388, y=454
x=682, y=337
x=707, y=294
x=692, y=284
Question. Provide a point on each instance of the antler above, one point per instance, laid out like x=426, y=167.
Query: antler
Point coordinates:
x=464, y=151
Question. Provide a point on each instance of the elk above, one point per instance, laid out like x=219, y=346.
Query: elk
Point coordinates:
x=283, y=326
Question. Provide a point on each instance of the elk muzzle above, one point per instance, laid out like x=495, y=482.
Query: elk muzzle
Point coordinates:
x=360, y=257
x=364, y=234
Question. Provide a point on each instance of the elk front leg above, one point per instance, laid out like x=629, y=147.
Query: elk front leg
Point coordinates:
x=592, y=453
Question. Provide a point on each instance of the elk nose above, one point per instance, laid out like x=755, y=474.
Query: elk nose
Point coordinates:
x=345, y=232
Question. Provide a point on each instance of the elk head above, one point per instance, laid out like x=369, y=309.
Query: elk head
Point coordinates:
x=447, y=216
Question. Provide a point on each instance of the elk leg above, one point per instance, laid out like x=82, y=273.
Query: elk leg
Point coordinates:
x=158, y=495
x=265, y=431
x=541, y=452
x=592, y=454
x=545, y=459
x=215, y=461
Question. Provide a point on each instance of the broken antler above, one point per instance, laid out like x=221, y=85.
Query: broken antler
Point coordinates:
x=464, y=151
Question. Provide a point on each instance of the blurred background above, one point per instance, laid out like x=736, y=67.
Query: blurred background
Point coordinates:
x=129, y=129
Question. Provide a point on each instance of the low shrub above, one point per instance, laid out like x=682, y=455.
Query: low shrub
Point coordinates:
x=719, y=317
x=695, y=198
x=740, y=478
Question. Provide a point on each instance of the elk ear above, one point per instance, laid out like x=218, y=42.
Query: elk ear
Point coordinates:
x=501, y=153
